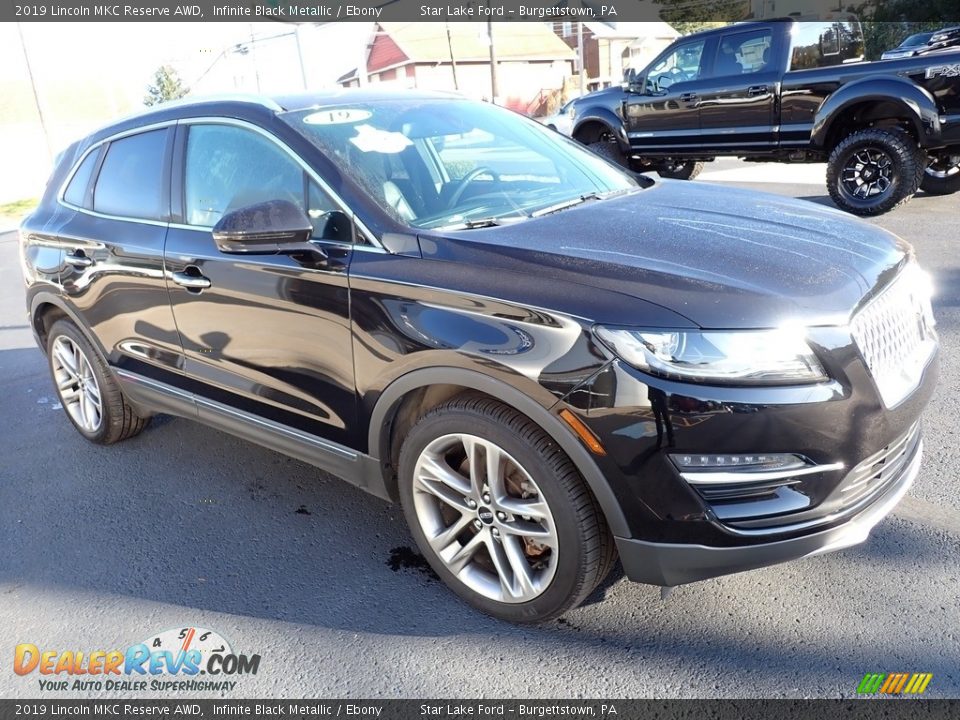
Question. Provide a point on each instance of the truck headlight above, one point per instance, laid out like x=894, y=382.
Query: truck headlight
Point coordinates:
x=742, y=357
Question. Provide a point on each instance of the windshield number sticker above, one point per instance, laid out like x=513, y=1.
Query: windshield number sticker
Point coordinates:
x=337, y=116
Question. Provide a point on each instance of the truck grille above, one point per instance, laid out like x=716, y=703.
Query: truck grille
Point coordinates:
x=894, y=333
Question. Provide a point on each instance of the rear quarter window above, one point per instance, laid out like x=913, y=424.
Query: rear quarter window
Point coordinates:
x=822, y=44
x=130, y=183
x=76, y=192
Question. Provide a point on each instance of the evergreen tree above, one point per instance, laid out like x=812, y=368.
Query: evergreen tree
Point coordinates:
x=166, y=86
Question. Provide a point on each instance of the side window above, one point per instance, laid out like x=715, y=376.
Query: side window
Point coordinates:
x=818, y=44
x=130, y=183
x=229, y=167
x=76, y=192
x=681, y=65
x=743, y=53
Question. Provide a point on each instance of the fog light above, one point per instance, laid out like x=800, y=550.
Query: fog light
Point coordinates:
x=740, y=463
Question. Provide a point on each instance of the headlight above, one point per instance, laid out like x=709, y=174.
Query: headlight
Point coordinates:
x=747, y=357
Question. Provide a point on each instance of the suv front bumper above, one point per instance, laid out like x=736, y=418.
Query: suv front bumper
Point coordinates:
x=672, y=564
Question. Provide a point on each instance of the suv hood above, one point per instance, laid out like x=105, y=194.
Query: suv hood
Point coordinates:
x=719, y=256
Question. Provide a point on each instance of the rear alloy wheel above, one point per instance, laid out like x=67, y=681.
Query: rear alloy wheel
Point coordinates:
x=680, y=169
x=76, y=383
x=87, y=389
x=942, y=175
x=872, y=171
x=500, y=512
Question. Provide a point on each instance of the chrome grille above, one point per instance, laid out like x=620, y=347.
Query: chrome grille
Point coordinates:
x=894, y=333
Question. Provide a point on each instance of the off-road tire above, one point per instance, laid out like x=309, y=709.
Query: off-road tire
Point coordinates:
x=907, y=165
x=610, y=150
x=687, y=170
x=933, y=185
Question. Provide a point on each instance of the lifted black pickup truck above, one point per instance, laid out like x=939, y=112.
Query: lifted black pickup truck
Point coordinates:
x=788, y=91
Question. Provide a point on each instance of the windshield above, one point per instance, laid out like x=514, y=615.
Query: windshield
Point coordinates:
x=445, y=163
x=917, y=40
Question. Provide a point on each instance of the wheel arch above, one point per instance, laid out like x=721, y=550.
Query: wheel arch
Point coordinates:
x=406, y=395
x=46, y=309
x=870, y=101
x=596, y=121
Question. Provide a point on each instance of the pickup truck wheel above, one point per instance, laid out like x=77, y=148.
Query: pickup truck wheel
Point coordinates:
x=500, y=512
x=872, y=171
x=88, y=391
x=942, y=175
x=610, y=150
x=680, y=170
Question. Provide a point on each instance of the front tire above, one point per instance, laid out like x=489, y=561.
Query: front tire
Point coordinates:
x=610, y=150
x=942, y=175
x=680, y=170
x=873, y=171
x=500, y=512
x=88, y=391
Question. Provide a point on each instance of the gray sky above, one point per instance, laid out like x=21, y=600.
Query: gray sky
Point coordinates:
x=87, y=74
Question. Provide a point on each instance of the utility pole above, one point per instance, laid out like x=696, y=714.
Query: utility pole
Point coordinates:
x=583, y=79
x=36, y=96
x=362, y=60
x=303, y=68
x=494, y=90
x=453, y=61
x=253, y=57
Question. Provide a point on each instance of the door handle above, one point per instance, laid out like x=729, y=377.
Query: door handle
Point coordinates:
x=689, y=97
x=191, y=278
x=758, y=90
x=78, y=259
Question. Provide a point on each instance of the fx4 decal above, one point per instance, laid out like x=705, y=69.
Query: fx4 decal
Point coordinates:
x=943, y=71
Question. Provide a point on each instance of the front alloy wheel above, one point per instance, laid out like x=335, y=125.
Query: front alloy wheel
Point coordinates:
x=485, y=518
x=500, y=512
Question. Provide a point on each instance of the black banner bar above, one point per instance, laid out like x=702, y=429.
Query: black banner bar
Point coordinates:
x=672, y=11
x=889, y=709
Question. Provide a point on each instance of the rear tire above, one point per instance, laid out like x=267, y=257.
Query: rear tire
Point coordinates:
x=683, y=170
x=941, y=175
x=88, y=391
x=610, y=150
x=873, y=171
x=500, y=512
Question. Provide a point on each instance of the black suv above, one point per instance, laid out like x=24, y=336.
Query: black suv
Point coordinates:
x=546, y=360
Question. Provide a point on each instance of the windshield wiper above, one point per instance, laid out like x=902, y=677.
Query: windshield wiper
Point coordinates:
x=557, y=207
x=572, y=202
x=483, y=223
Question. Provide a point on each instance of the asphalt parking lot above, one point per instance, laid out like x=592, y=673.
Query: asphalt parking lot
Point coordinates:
x=186, y=527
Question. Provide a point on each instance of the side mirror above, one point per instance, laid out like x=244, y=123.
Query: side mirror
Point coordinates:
x=267, y=228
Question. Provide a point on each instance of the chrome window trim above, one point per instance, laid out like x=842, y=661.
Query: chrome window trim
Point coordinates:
x=375, y=245
x=96, y=146
x=296, y=158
